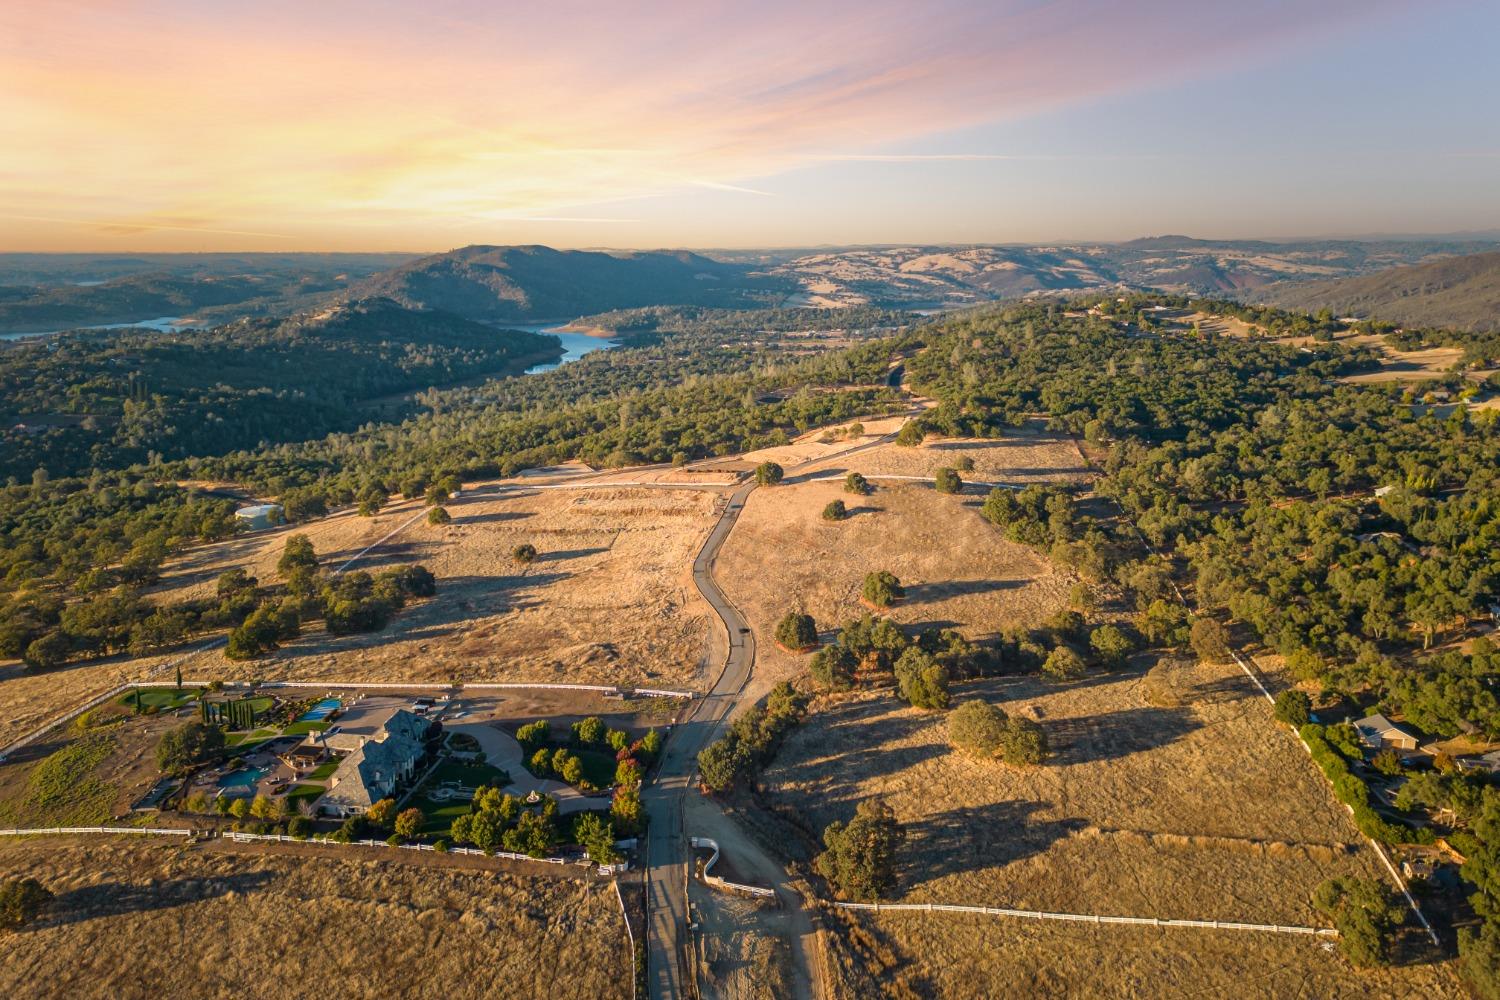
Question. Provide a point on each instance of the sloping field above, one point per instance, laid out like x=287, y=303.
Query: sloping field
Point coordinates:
x=609, y=600
x=959, y=957
x=1021, y=457
x=1198, y=810
x=958, y=570
x=138, y=920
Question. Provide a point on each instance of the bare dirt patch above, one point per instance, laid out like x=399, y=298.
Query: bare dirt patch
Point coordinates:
x=151, y=920
x=957, y=569
x=742, y=954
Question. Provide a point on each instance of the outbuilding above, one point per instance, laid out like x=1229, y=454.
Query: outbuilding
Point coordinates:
x=258, y=517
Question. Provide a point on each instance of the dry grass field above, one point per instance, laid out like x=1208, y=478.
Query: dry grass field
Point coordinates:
x=957, y=569
x=1027, y=455
x=609, y=600
x=139, y=920
x=1173, y=797
x=966, y=958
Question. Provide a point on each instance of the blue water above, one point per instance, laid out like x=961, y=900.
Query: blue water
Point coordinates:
x=163, y=324
x=575, y=345
x=321, y=710
x=244, y=776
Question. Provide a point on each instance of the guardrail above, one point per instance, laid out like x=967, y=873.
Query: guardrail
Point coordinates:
x=1089, y=918
x=720, y=883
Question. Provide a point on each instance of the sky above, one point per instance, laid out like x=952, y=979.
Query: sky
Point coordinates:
x=385, y=125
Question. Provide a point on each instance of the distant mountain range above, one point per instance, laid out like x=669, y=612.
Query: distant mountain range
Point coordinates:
x=511, y=284
x=44, y=292
x=1461, y=292
x=521, y=284
x=927, y=275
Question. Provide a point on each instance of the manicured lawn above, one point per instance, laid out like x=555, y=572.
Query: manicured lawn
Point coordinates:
x=308, y=792
x=303, y=728
x=324, y=770
x=243, y=739
x=163, y=699
x=598, y=768
x=261, y=704
x=441, y=814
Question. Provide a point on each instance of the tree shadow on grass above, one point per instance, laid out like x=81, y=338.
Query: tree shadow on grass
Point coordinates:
x=973, y=838
x=570, y=554
x=112, y=899
x=493, y=517
x=918, y=593
x=1114, y=735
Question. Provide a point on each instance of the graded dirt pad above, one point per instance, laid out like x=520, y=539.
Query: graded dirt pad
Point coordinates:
x=1022, y=457
x=742, y=955
x=1202, y=811
x=961, y=957
x=958, y=570
x=135, y=919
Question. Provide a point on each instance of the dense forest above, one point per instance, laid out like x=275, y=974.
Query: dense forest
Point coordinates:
x=114, y=398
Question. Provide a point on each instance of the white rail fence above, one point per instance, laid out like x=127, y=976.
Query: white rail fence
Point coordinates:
x=720, y=883
x=1088, y=918
x=57, y=830
x=240, y=837
x=120, y=689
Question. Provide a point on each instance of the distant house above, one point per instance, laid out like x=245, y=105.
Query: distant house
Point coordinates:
x=260, y=516
x=1381, y=491
x=1418, y=868
x=379, y=765
x=1379, y=733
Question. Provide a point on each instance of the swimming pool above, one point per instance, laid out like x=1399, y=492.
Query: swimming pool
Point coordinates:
x=243, y=777
x=321, y=710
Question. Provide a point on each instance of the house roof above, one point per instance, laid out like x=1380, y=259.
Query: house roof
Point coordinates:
x=1379, y=725
x=375, y=761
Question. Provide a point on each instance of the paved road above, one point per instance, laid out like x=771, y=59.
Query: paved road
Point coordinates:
x=668, y=853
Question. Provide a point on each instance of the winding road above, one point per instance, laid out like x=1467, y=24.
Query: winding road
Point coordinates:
x=670, y=798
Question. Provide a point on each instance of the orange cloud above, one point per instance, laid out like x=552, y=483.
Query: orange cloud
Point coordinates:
x=356, y=125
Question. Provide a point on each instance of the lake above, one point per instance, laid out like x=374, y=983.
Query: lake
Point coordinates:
x=574, y=344
x=164, y=324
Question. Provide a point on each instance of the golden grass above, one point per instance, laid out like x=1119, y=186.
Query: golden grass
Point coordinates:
x=957, y=569
x=959, y=956
x=1201, y=811
x=161, y=920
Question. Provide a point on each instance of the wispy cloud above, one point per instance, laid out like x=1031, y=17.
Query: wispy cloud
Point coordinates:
x=342, y=120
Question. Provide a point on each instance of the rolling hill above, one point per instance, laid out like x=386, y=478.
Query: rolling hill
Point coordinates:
x=508, y=284
x=958, y=275
x=1462, y=292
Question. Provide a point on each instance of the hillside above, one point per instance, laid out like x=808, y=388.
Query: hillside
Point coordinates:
x=504, y=284
x=112, y=397
x=958, y=275
x=1461, y=292
x=43, y=292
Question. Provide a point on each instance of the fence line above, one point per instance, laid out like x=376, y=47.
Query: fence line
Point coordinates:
x=630, y=936
x=1088, y=918
x=241, y=837
x=1254, y=675
x=721, y=883
x=56, y=830
x=52, y=724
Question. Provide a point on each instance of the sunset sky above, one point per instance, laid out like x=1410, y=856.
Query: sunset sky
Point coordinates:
x=394, y=125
